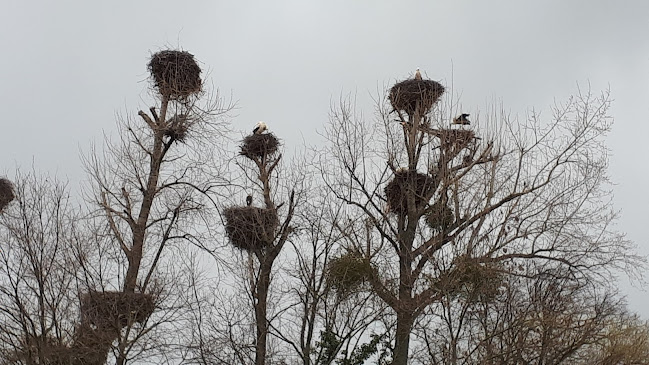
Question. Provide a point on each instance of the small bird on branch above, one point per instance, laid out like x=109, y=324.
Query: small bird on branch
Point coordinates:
x=461, y=120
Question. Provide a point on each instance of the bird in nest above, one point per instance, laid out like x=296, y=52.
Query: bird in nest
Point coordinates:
x=417, y=75
x=249, y=200
x=461, y=120
x=260, y=127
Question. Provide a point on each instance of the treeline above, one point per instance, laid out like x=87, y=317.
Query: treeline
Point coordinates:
x=420, y=236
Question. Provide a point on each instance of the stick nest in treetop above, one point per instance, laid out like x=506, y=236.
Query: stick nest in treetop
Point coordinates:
x=439, y=216
x=250, y=228
x=349, y=271
x=116, y=309
x=6, y=193
x=259, y=145
x=452, y=141
x=175, y=73
x=409, y=184
x=415, y=96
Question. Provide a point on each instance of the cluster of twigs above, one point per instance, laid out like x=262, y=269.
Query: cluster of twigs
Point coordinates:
x=175, y=73
x=409, y=185
x=415, y=96
x=348, y=272
x=250, y=228
x=259, y=145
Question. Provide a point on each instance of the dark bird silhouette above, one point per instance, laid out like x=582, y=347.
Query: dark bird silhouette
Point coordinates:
x=249, y=200
x=461, y=120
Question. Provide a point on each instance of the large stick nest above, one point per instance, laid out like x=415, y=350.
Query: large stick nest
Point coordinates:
x=452, y=141
x=175, y=73
x=91, y=345
x=250, y=228
x=259, y=145
x=6, y=193
x=116, y=309
x=348, y=272
x=406, y=184
x=415, y=96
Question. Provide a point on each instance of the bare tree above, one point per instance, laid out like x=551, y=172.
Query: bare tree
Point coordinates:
x=626, y=342
x=322, y=323
x=259, y=233
x=443, y=198
x=42, y=250
x=551, y=318
x=151, y=187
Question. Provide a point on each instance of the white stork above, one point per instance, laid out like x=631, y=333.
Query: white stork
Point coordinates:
x=417, y=75
x=260, y=127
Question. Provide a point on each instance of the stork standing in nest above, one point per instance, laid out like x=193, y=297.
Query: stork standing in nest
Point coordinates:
x=260, y=127
x=461, y=120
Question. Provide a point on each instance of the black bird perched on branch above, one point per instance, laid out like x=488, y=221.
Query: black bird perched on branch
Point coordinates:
x=249, y=200
x=461, y=120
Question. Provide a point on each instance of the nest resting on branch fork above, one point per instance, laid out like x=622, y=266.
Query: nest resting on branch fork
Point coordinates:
x=415, y=96
x=259, y=145
x=408, y=184
x=251, y=228
x=177, y=127
x=116, y=309
x=175, y=73
x=453, y=140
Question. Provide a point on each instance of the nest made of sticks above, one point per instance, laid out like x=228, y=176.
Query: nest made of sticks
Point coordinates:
x=259, y=145
x=91, y=345
x=175, y=73
x=348, y=272
x=251, y=228
x=409, y=183
x=116, y=309
x=6, y=193
x=415, y=96
x=177, y=127
x=440, y=216
x=452, y=141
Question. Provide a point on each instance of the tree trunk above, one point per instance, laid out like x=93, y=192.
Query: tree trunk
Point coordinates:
x=260, y=314
x=402, y=338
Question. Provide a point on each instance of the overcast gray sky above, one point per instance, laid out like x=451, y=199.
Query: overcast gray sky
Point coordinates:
x=67, y=68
